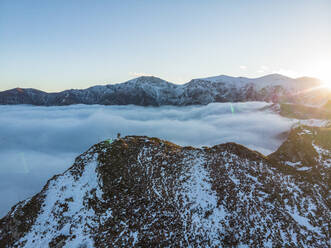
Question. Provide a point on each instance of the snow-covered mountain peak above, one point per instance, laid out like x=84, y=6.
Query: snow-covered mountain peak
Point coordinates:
x=147, y=80
x=274, y=76
x=226, y=79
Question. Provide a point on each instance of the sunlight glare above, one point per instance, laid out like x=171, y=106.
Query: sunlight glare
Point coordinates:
x=322, y=70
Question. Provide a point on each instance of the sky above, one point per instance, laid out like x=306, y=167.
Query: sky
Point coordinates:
x=63, y=44
x=38, y=142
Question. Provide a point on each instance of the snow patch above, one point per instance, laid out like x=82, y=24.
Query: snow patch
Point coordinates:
x=65, y=199
x=202, y=213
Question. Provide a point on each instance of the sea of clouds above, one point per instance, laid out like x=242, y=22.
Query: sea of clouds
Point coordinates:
x=38, y=142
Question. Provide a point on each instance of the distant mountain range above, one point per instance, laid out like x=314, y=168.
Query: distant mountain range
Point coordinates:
x=153, y=91
x=146, y=192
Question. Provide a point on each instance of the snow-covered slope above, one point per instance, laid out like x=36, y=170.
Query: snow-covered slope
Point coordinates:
x=265, y=81
x=145, y=192
x=268, y=80
x=155, y=92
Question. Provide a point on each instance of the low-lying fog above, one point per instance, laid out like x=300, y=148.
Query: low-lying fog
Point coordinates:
x=38, y=142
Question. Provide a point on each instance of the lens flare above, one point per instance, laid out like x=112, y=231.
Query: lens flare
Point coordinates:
x=232, y=108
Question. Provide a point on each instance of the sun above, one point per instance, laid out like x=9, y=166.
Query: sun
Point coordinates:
x=322, y=70
x=327, y=84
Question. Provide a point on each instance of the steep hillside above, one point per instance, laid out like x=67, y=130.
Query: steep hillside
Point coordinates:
x=146, y=192
x=308, y=151
x=304, y=112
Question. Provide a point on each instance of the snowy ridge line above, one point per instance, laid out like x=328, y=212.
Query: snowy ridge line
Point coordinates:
x=153, y=91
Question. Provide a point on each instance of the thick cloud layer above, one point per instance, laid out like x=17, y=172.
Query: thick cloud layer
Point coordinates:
x=38, y=142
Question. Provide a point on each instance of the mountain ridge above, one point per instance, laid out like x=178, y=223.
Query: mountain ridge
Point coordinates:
x=154, y=91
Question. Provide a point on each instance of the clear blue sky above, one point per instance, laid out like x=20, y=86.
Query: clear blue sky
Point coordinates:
x=55, y=45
